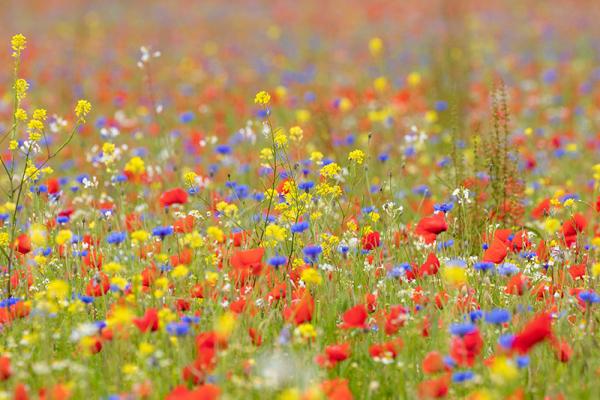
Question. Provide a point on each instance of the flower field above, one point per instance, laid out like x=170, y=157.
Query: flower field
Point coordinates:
x=304, y=200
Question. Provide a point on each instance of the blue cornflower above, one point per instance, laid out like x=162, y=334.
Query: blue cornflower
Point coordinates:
x=462, y=376
x=484, y=266
x=444, y=207
x=178, y=328
x=277, y=261
x=589, y=297
x=223, y=149
x=162, y=231
x=299, y=227
x=462, y=329
x=116, y=237
x=497, y=316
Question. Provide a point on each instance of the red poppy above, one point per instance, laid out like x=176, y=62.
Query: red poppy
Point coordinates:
x=203, y=392
x=149, y=322
x=301, y=310
x=572, y=227
x=395, y=319
x=429, y=227
x=20, y=392
x=542, y=209
x=536, y=331
x=577, y=271
x=433, y=363
x=53, y=186
x=434, y=388
x=496, y=252
x=334, y=354
x=255, y=336
x=517, y=284
x=23, y=244
x=246, y=263
x=563, y=351
x=355, y=317
x=336, y=389
x=386, y=350
x=5, y=369
x=430, y=266
x=371, y=241
x=184, y=224
x=173, y=196
x=98, y=285
x=464, y=349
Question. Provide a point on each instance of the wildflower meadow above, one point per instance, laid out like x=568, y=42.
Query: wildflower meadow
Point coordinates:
x=309, y=200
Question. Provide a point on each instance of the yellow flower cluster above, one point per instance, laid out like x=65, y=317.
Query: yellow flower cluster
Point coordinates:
x=358, y=156
x=82, y=108
x=18, y=44
x=296, y=133
x=275, y=234
x=262, y=98
x=189, y=179
x=135, y=166
x=331, y=170
x=311, y=276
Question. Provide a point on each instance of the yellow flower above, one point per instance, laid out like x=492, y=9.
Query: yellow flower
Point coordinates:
x=135, y=166
x=306, y=331
x=503, y=369
x=289, y=394
x=140, y=235
x=413, y=79
x=596, y=269
x=454, y=275
x=330, y=170
x=280, y=139
x=82, y=109
x=180, y=271
x=225, y=324
x=374, y=216
x=189, y=178
x=375, y=46
x=20, y=114
x=57, y=289
x=129, y=369
x=552, y=225
x=266, y=154
x=18, y=44
x=569, y=203
x=302, y=116
x=121, y=315
x=112, y=267
x=145, y=349
x=431, y=116
x=275, y=233
x=296, y=133
x=21, y=86
x=63, y=236
x=262, y=97
x=108, y=148
x=193, y=239
x=13, y=144
x=211, y=277
x=38, y=235
x=215, y=234
x=316, y=156
x=40, y=114
x=4, y=239
x=311, y=276
x=380, y=83
x=119, y=282
x=358, y=156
